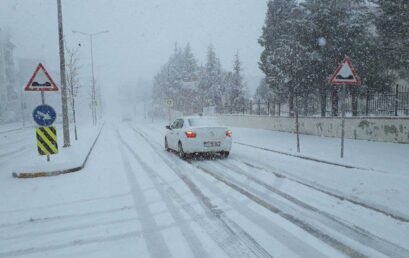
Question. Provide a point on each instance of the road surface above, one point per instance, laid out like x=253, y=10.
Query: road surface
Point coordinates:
x=134, y=199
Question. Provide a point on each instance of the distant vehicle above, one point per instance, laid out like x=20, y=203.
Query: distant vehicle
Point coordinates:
x=196, y=135
x=38, y=84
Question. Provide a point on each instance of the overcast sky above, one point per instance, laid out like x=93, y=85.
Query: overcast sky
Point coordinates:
x=141, y=34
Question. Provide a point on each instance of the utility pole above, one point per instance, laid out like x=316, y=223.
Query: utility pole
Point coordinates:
x=93, y=88
x=65, y=121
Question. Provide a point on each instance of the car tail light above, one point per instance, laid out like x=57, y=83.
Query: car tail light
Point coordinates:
x=229, y=133
x=190, y=134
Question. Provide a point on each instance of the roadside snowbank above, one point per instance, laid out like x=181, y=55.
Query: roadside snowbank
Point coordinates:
x=390, y=157
x=66, y=159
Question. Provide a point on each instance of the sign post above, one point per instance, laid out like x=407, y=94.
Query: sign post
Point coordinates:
x=344, y=75
x=169, y=103
x=297, y=124
x=44, y=115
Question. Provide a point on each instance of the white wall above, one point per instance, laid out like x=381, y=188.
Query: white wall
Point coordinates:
x=385, y=129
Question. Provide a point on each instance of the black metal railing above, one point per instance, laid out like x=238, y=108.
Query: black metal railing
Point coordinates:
x=369, y=104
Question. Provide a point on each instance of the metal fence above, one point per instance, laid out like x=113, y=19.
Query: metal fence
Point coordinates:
x=369, y=104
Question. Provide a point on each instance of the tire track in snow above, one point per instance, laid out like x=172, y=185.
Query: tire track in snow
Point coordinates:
x=63, y=217
x=295, y=245
x=13, y=130
x=155, y=242
x=20, y=149
x=331, y=192
x=297, y=221
x=78, y=227
x=337, y=244
x=384, y=246
x=351, y=231
x=66, y=203
x=226, y=233
x=194, y=243
x=79, y=242
x=83, y=226
x=75, y=243
x=86, y=241
x=393, y=214
x=277, y=231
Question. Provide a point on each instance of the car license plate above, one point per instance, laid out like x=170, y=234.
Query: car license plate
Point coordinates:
x=212, y=144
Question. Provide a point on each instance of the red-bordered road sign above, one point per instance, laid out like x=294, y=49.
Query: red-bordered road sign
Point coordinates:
x=345, y=74
x=41, y=81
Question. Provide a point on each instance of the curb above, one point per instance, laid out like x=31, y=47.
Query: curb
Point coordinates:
x=305, y=157
x=60, y=172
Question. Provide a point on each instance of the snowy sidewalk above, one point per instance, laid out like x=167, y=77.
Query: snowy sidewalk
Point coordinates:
x=67, y=160
x=380, y=156
x=5, y=128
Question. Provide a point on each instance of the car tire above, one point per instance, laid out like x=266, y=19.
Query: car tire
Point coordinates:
x=224, y=154
x=181, y=153
x=166, y=145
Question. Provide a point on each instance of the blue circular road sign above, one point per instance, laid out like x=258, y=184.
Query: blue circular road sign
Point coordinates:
x=44, y=115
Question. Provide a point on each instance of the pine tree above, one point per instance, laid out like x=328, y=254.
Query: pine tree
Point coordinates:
x=274, y=31
x=189, y=66
x=235, y=88
x=211, y=89
x=339, y=28
x=264, y=92
x=285, y=55
x=190, y=79
x=170, y=83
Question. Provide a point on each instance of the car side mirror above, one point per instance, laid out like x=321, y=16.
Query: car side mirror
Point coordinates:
x=168, y=127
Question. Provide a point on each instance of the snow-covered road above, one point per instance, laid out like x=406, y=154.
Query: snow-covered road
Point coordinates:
x=134, y=199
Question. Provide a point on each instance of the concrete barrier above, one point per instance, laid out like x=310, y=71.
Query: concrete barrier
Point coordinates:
x=384, y=129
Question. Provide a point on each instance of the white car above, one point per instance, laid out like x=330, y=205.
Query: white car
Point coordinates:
x=198, y=134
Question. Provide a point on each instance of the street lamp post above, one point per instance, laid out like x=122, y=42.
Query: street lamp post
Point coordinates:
x=65, y=121
x=93, y=89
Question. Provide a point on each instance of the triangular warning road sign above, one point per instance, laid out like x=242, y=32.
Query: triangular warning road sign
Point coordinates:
x=41, y=81
x=345, y=74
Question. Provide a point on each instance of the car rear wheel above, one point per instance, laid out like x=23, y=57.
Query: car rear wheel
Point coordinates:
x=181, y=153
x=166, y=145
x=224, y=154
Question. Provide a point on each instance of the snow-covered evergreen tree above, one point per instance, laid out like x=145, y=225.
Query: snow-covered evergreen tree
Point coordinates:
x=211, y=89
x=392, y=25
x=235, y=87
x=339, y=28
x=264, y=92
x=175, y=79
x=192, y=87
x=285, y=59
x=189, y=65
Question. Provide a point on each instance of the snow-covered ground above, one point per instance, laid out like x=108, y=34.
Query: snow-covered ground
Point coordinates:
x=5, y=128
x=67, y=158
x=387, y=157
x=134, y=199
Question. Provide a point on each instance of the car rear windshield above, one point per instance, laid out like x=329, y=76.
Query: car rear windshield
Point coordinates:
x=203, y=122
